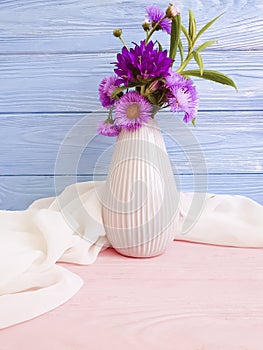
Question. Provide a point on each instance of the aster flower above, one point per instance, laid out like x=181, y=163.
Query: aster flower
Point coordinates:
x=108, y=128
x=155, y=14
x=106, y=88
x=174, y=79
x=182, y=97
x=142, y=64
x=132, y=110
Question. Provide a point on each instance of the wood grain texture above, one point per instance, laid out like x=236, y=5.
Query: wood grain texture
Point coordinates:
x=193, y=297
x=52, y=58
x=53, y=54
x=18, y=192
x=69, y=82
x=86, y=26
x=222, y=142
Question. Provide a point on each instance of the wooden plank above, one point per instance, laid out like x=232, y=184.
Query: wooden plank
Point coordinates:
x=222, y=142
x=193, y=297
x=82, y=26
x=44, y=83
x=18, y=192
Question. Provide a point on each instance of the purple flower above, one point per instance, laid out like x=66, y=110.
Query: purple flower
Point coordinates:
x=132, y=110
x=174, y=79
x=182, y=96
x=155, y=14
x=106, y=88
x=142, y=64
x=108, y=129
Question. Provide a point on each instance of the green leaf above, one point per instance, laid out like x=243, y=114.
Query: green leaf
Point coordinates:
x=191, y=25
x=160, y=48
x=185, y=63
x=211, y=75
x=199, y=61
x=205, y=45
x=193, y=121
x=118, y=90
x=175, y=36
x=205, y=27
x=181, y=49
x=187, y=37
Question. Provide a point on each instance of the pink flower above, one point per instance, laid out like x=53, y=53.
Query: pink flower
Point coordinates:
x=132, y=110
x=106, y=88
x=182, y=96
x=174, y=79
x=155, y=14
x=107, y=128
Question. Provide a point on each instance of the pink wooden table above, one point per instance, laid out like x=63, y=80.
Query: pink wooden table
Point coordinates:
x=194, y=297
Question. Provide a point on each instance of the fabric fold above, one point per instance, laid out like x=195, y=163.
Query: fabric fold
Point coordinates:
x=228, y=220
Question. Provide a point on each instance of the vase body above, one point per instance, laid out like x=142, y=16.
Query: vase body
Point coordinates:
x=140, y=202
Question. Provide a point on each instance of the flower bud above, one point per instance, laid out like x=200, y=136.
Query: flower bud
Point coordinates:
x=172, y=11
x=117, y=32
x=146, y=26
x=154, y=86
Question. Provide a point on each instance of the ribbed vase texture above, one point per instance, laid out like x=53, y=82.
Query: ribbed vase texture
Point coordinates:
x=140, y=202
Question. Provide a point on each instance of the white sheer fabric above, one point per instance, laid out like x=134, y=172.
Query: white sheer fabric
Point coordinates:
x=69, y=228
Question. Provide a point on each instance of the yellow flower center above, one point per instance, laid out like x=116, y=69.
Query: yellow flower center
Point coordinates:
x=133, y=111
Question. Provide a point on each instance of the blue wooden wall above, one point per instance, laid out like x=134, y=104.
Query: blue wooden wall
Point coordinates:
x=53, y=55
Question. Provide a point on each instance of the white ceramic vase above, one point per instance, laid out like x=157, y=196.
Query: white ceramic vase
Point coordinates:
x=140, y=202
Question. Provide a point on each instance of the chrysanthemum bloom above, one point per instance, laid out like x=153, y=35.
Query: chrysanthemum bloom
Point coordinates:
x=106, y=88
x=142, y=64
x=183, y=98
x=107, y=128
x=132, y=110
x=155, y=14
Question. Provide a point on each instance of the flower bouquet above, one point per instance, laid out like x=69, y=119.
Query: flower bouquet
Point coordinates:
x=145, y=77
x=141, y=205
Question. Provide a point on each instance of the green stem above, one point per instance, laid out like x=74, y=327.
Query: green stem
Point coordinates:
x=153, y=29
x=146, y=33
x=123, y=42
x=185, y=63
x=142, y=90
x=110, y=115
